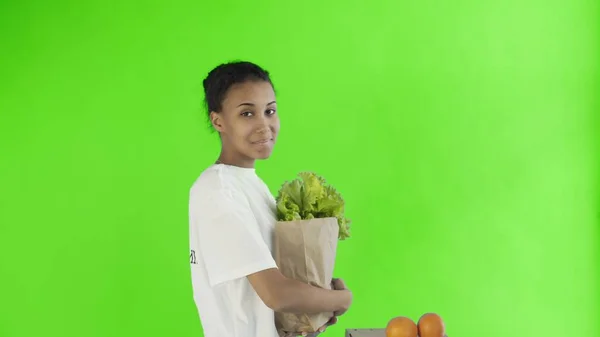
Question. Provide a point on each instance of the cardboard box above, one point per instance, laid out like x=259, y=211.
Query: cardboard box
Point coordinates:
x=365, y=332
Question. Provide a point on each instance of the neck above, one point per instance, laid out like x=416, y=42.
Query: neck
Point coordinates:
x=226, y=159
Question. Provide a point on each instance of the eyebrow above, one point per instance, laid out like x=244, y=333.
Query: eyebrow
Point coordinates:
x=251, y=104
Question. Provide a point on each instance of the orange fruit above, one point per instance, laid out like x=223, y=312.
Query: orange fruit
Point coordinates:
x=401, y=327
x=431, y=325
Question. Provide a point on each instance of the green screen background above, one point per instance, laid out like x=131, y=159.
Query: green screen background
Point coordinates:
x=461, y=135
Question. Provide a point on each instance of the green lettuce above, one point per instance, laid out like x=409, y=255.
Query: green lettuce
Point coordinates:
x=310, y=197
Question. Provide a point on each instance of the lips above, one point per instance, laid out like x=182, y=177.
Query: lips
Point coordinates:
x=263, y=141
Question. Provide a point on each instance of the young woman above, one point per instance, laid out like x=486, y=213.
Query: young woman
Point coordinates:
x=236, y=284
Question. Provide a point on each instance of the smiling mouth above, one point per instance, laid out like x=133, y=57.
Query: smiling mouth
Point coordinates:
x=263, y=141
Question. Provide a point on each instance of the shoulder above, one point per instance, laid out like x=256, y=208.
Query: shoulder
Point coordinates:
x=213, y=188
x=212, y=182
x=211, y=179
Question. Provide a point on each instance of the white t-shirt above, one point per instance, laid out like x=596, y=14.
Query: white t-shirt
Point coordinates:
x=232, y=216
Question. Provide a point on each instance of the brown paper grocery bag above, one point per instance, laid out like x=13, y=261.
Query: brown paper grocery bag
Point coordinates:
x=305, y=250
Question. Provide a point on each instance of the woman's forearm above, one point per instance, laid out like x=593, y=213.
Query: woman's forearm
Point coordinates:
x=298, y=297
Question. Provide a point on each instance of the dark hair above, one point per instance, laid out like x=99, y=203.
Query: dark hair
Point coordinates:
x=221, y=78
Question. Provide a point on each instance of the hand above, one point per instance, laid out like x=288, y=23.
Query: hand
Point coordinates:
x=338, y=284
x=331, y=322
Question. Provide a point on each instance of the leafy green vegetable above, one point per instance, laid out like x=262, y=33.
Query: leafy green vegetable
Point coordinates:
x=309, y=197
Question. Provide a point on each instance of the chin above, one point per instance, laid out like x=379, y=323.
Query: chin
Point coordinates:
x=262, y=156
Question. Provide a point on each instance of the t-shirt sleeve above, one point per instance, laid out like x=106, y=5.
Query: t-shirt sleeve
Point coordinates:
x=228, y=236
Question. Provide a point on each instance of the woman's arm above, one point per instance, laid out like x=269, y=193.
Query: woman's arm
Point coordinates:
x=283, y=294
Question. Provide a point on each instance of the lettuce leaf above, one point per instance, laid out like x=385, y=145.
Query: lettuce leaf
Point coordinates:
x=287, y=210
x=309, y=197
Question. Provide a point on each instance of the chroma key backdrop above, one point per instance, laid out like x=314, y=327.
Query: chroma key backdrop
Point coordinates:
x=462, y=134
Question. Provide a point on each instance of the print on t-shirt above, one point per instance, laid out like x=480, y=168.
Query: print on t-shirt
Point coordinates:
x=193, y=257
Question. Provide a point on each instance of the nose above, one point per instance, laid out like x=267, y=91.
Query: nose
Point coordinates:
x=264, y=129
x=263, y=125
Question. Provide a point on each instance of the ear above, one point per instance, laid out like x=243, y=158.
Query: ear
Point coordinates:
x=216, y=121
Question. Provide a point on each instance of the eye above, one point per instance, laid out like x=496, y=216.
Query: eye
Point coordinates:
x=246, y=113
x=270, y=111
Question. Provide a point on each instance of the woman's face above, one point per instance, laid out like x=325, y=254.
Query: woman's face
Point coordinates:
x=248, y=122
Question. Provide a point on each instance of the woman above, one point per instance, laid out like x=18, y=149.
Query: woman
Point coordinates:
x=236, y=284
